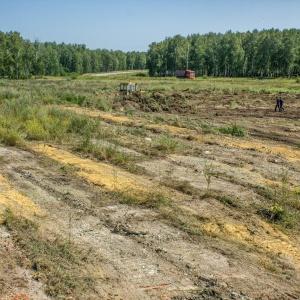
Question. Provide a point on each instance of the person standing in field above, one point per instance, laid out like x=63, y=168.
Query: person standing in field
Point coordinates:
x=277, y=104
x=281, y=104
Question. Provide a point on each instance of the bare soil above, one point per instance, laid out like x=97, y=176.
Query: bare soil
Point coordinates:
x=140, y=253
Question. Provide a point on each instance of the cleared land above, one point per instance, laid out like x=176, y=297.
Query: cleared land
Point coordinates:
x=187, y=190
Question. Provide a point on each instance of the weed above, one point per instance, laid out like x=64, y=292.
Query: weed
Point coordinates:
x=177, y=122
x=191, y=124
x=205, y=128
x=234, y=130
x=284, y=178
x=296, y=191
x=166, y=144
x=208, y=172
x=111, y=153
x=233, y=105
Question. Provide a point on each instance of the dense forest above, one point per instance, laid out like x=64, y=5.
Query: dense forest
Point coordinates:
x=21, y=58
x=258, y=53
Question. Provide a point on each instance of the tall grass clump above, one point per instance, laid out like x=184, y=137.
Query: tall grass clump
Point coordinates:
x=20, y=109
x=11, y=137
x=166, y=144
x=73, y=98
x=234, y=130
x=30, y=120
x=35, y=130
x=104, y=104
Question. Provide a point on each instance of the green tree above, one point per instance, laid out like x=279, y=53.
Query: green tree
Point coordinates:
x=12, y=58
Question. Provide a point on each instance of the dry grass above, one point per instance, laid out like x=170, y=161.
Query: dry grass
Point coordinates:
x=59, y=264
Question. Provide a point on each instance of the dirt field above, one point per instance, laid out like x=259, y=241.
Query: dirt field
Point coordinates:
x=199, y=242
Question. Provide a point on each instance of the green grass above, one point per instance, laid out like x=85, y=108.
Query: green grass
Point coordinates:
x=22, y=120
x=234, y=130
x=92, y=89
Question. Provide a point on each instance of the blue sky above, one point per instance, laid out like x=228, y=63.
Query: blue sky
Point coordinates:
x=131, y=25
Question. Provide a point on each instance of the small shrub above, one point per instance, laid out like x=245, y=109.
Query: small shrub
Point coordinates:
x=275, y=213
x=73, y=75
x=11, y=137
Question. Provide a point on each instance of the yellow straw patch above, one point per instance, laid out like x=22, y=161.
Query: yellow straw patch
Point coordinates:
x=108, y=177
x=102, y=115
x=288, y=153
x=11, y=198
x=263, y=237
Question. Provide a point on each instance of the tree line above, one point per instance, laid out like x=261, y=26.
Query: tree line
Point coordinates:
x=270, y=53
x=258, y=53
x=21, y=58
